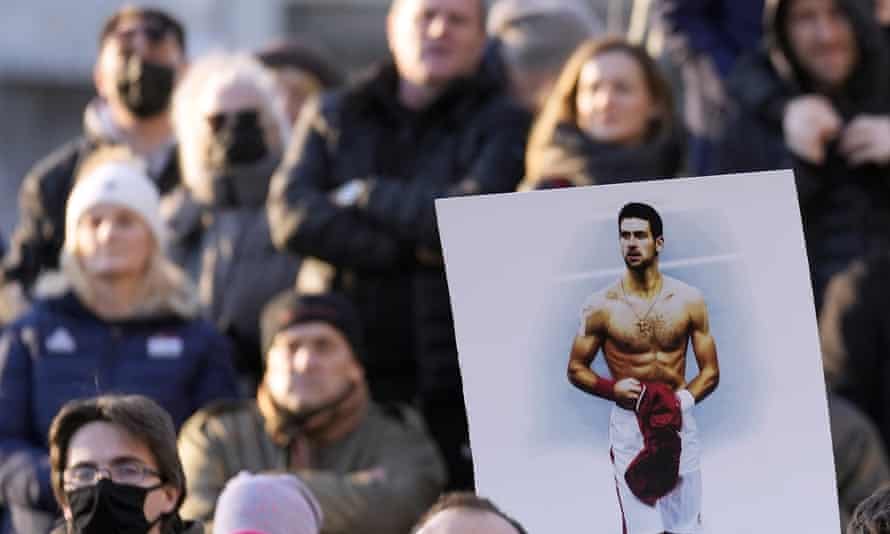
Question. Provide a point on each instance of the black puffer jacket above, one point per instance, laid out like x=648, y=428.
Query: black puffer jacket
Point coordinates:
x=38, y=237
x=845, y=209
x=385, y=249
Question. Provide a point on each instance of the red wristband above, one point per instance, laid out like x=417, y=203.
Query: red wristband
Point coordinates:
x=604, y=388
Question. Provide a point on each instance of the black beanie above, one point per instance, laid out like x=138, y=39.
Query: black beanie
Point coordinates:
x=290, y=308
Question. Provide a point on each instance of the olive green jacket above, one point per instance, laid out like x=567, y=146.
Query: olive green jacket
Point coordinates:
x=220, y=441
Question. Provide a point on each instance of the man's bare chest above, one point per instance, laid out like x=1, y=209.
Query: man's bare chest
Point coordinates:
x=636, y=325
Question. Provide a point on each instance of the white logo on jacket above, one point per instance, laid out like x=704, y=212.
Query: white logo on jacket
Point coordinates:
x=60, y=341
x=164, y=347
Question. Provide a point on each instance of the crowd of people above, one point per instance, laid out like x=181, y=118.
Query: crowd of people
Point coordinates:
x=224, y=305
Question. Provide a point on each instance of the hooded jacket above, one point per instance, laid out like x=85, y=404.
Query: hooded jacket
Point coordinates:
x=35, y=244
x=845, y=209
x=60, y=351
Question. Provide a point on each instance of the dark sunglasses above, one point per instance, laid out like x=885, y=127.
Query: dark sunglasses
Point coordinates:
x=242, y=118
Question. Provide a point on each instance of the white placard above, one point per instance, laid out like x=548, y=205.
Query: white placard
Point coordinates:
x=520, y=266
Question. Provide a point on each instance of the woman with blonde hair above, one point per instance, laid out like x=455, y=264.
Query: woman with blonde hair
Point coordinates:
x=609, y=119
x=123, y=321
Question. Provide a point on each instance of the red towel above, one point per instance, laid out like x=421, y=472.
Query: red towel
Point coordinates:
x=656, y=469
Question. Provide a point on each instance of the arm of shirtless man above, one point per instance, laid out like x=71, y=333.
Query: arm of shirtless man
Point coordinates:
x=584, y=350
x=705, y=351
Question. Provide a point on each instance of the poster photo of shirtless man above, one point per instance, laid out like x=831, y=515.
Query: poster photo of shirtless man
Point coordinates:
x=643, y=323
x=670, y=384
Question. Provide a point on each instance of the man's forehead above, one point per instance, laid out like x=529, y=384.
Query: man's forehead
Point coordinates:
x=308, y=330
x=101, y=442
x=469, y=7
x=634, y=223
x=460, y=520
x=800, y=4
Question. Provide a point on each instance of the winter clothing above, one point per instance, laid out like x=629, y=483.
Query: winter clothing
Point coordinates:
x=574, y=159
x=721, y=29
x=290, y=309
x=271, y=504
x=224, y=250
x=223, y=440
x=38, y=238
x=860, y=459
x=121, y=184
x=853, y=325
x=383, y=244
x=705, y=38
x=60, y=351
x=845, y=209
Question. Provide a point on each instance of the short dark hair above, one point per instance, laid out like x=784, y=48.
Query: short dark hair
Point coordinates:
x=140, y=417
x=638, y=210
x=872, y=516
x=468, y=500
x=163, y=19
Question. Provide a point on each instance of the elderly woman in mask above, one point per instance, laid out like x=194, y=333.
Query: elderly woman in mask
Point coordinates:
x=609, y=119
x=229, y=118
x=123, y=320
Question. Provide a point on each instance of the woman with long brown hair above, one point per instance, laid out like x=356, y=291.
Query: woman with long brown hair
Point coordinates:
x=609, y=119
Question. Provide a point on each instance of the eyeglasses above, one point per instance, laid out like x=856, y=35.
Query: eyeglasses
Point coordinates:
x=128, y=472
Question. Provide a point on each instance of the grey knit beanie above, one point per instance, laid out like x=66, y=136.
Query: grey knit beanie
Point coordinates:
x=266, y=504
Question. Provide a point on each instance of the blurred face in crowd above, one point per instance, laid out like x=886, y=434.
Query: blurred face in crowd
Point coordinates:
x=614, y=104
x=224, y=105
x=822, y=40
x=436, y=41
x=882, y=12
x=120, y=457
x=309, y=365
x=466, y=521
x=113, y=242
x=135, y=36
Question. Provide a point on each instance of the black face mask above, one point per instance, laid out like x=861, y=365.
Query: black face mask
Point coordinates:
x=144, y=86
x=238, y=139
x=108, y=507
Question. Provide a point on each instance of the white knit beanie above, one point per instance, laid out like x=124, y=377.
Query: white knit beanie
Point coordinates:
x=266, y=504
x=122, y=183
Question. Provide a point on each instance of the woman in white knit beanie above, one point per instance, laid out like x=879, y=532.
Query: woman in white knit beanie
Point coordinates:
x=122, y=320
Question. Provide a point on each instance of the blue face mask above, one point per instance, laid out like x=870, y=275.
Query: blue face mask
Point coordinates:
x=109, y=507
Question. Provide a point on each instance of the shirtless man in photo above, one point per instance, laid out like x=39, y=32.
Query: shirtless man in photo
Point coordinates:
x=643, y=322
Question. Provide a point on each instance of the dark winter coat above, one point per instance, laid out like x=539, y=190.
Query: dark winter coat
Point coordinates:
x=845, y=209
x=385, y=248
x=37, y=240
x=61, y=351
x=229, y=253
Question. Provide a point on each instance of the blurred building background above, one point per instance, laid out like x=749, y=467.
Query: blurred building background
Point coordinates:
x=47, y=50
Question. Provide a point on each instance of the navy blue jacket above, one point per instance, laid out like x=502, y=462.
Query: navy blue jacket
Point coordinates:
x=722, y=29
x=60, y=351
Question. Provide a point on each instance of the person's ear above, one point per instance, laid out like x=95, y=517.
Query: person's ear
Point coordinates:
x=659, y=243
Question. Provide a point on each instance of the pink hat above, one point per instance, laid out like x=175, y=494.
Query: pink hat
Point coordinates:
x=266, y=504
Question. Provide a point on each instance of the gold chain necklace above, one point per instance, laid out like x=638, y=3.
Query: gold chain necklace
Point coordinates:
x=645, y=327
